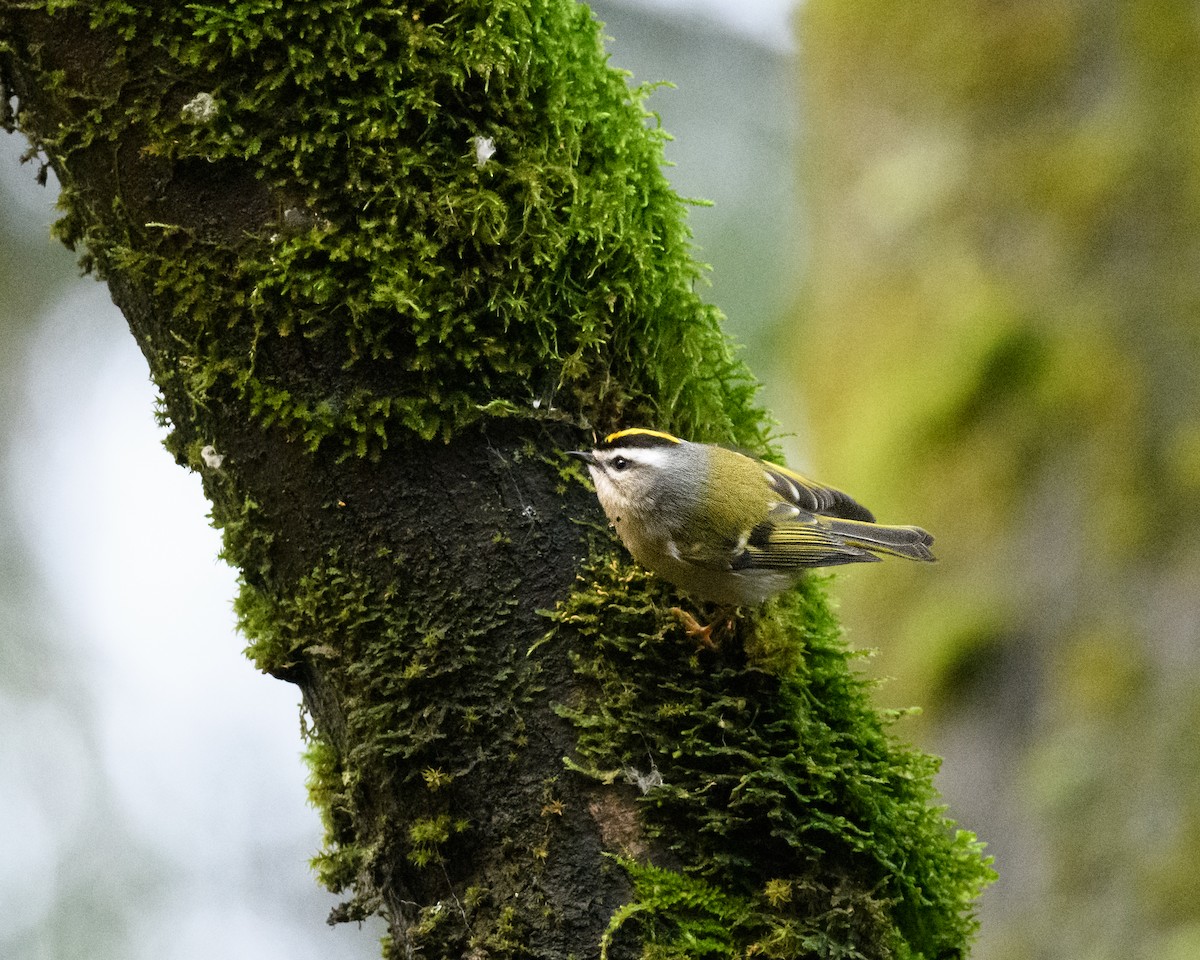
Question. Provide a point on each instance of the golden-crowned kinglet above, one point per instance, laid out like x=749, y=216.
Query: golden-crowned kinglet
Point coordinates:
x=725, y=527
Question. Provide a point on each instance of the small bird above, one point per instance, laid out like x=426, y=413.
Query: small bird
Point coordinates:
x=728, y=528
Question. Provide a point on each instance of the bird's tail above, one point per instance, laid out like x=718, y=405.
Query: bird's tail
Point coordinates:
x=875, y=538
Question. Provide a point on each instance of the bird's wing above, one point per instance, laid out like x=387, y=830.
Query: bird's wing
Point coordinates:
x=791, y=538
x=792, y=534
x=807, y=495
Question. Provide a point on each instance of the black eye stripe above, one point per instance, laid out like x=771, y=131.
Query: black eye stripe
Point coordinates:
x=619, y=463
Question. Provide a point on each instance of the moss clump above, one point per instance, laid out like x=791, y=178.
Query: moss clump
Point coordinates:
x=682, y=916
x=340, y=864
x=392, y=662
x=429, y=834
x=352, y=234
x=776, y=774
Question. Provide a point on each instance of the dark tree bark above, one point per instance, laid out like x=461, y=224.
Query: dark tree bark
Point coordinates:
x=372, y=340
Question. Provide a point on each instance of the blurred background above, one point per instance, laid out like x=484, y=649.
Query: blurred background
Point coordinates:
x=959, y=244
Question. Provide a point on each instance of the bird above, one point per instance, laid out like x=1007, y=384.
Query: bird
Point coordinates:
x=729, y=528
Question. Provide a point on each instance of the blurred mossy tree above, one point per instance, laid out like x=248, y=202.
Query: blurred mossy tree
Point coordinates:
x=383, y=262
x=1001, y=337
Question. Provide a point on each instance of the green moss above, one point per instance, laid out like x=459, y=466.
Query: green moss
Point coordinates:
x=700, y=920
x=557, y=273
x=774, y=770
x=392, y=661
x=341, y=862
x=682, y=917
x=428, y=834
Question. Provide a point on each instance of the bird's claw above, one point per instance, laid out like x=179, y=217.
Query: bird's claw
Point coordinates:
x=709, y=637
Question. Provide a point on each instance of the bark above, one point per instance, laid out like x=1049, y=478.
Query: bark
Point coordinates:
x=372, y=341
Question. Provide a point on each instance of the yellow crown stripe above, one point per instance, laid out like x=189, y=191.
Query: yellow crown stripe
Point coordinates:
x=639, y=432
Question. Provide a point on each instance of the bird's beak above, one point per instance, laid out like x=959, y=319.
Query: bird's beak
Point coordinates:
x=584, y=455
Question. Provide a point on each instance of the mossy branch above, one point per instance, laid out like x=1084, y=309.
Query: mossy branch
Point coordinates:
x=384, y=261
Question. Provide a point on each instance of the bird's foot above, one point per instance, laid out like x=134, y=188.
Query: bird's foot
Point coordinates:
x=709, y=637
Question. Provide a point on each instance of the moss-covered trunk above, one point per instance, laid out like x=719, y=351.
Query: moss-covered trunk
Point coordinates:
x=384, y=262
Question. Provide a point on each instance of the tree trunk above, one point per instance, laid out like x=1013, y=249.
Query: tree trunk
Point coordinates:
x=385, y=264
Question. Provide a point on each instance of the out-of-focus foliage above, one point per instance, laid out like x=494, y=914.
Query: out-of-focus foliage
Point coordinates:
x=1001, y=342
x=47, y=752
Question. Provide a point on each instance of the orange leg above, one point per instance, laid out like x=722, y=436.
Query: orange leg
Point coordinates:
x=709, y=637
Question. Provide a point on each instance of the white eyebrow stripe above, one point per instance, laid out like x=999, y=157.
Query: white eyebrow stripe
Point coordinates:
x=645, y=456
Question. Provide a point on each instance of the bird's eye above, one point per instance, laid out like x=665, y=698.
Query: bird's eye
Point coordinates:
x=619, y=463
